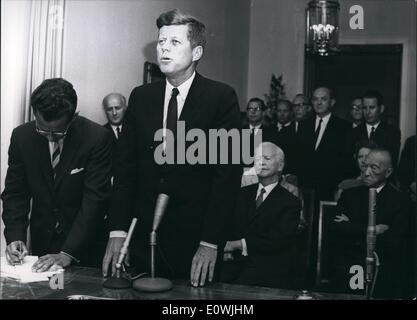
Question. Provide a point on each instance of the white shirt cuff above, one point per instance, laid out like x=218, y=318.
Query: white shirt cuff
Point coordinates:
x=244, y=247
x=210, y=245
x=118, y=234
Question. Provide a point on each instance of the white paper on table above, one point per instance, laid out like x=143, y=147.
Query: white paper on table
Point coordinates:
x=23, y=273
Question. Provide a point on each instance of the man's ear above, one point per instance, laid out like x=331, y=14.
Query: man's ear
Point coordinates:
x=332, y=102
x=382, y=108
x=197, y=53
x=389, y=172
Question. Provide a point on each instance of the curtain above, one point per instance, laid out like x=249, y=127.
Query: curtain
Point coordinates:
x=45, y=46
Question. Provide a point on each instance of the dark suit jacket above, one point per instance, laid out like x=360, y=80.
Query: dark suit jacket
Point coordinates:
x=392, y=209
x=407, y=165
x=75, y=200
x=325, y=167
x=269, y=232
x=386, y=136
x=201, y=196
x=288, y=138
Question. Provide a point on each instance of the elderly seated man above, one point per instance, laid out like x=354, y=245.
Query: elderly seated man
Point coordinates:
x=350, y=226
x=259, y=250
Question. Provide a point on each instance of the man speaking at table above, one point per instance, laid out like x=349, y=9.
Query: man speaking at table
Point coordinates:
x=191, y=235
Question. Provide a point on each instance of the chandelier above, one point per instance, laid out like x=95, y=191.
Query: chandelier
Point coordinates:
x=322, y=27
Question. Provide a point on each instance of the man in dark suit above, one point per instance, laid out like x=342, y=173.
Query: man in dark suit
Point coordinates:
x=324, y=147
x=375, y=129
x=259, y=250
x=254, y=114
x=351, y=221
x=191, y=234
x=301, y=108
x=62, y=162
x=114, y=105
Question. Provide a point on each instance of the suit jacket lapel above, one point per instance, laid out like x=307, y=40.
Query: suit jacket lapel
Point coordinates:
x=156, y=108
x=70, y=149
x=41, y=150
x=192, y=102
x=269, y=199
x=327, y=132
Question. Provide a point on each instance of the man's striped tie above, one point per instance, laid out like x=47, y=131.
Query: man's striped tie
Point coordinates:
x=55, y=156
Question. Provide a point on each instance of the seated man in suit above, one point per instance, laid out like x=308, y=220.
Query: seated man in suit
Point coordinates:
x=267, y=216
x=114, y=105
x=62, y=162
x=350, y=227
x=374, y=128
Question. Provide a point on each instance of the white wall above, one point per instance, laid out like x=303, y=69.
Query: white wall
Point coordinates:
x=277, y=37
x=15, y=17
x=107, y=43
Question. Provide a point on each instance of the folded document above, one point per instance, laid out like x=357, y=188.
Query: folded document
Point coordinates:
x=23, y=272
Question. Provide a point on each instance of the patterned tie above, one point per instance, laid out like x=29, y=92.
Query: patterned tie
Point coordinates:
x=56, y=154
x=372, y=134
x=260, y=198
x=172, y=116
x=117, y=132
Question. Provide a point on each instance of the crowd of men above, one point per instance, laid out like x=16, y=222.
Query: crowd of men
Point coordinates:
x=81, y=183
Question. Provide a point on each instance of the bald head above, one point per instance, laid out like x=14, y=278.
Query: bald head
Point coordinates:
x=322, y=101
x=378, y=168
x=114, y=105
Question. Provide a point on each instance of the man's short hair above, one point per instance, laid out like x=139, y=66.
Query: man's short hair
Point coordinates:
x=374, y=94
x=54, y=99
x=196, y=29
x=306, y=100
x=286, y=102
x=258, y=100
x=331, y=93
x=368, y=144
x=121, y=97
x=385, y=153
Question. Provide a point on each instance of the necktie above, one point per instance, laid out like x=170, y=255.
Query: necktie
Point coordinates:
x=172, y=116
x=317, y=133
x=372, y=134
x=260, y=198
x=117, y=132
x=56, y=153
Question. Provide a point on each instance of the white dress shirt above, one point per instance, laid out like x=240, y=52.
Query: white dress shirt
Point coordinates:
x=114, y=128
x=322, y=128
x=282, y=126
x=369, y=128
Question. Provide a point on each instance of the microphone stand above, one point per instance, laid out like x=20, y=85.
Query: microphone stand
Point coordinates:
x=154, y=284
x=117, y=281
x=371, y=261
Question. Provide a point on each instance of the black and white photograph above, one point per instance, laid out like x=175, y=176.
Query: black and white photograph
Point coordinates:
x=208, y=154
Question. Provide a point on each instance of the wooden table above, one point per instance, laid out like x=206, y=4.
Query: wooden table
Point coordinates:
x=88, y=281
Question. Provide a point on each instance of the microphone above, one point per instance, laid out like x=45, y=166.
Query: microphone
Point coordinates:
x=155, y=284
x=118, y=282
x=370, y=239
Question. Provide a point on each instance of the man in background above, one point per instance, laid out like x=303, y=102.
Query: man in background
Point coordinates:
x=375, y=128
x=114, y=105
x=356, y=113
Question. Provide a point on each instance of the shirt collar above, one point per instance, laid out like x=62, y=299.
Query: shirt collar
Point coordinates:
x=380, y=188
x=283, y=125
x=255, y=127
x=268, y=188
x=115, y=127
x=369, y=127
x=182, y=88
x=325, y=119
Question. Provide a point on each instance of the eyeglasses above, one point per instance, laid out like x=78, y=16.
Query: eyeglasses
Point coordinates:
x=55, y=135
x=254, y=108
x=300, y=105
x=356, y=107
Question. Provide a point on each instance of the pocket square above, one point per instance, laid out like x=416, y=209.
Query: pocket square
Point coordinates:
x=74, y=171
